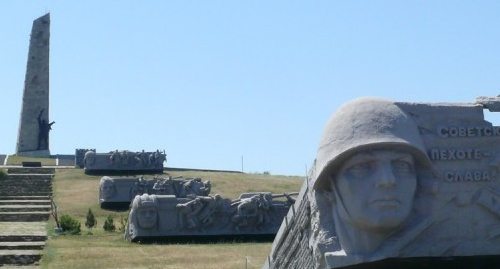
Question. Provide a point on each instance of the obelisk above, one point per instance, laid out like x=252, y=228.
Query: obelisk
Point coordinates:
x=34, y=124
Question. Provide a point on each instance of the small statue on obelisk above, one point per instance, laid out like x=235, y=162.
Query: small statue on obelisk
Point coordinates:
x=43, y=132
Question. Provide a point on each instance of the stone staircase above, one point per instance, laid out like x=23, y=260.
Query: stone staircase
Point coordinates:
x=24, y=210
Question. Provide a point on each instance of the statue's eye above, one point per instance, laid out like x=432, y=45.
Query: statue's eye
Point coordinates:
x=401, y=166
x=360, y=169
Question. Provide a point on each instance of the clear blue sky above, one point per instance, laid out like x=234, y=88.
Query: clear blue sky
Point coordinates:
x=212, y=81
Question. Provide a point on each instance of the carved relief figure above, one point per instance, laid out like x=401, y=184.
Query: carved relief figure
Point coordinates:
x=140, y=187
x=143, y=215
x=367, y=166
x=164, y=187
x=188, y=213
x=107, y=188
x=159, y=158
x=205, y=189
x=89, y=159
x=43, y=132
x=212, y=206
x=115, y=159
x=142, y=159
x=187, y=189
x=251, y=212
x=124, y=158
x=147, y=213
x=195, y=187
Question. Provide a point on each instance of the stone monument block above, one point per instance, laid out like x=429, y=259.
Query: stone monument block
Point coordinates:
x=34, y=124
x=124, y=162
x=118, y=192
x=159, y=217
x=398, y=185
x=80, y=155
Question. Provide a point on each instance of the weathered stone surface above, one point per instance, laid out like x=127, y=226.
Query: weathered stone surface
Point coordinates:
x=34, y=125
x=124, y=162
x=80, y=156
x=120, y=191
x=163, y=216
x=397, y=181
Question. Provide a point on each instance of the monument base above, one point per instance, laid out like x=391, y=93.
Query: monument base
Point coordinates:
x=456, y=262
x=35, y=153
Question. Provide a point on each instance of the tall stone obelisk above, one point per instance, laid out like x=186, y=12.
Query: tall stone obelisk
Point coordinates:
x=34, y=125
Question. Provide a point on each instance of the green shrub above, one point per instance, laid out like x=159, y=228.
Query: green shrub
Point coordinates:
x=123, y=223
x=109, y=225
x=69, y=224
x=3, y=174
x=91, y=222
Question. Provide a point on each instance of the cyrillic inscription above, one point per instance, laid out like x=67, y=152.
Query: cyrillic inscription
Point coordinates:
x=470, y=131
x=467, y=176
x=456, y=154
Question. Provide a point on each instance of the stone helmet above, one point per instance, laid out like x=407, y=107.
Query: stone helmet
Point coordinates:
x=366, y=123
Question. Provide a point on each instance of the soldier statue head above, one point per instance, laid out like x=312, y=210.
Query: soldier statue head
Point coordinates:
x=367, y=166
x=107, y=188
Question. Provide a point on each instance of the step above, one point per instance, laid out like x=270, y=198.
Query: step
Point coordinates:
x=24, y=202
x=24, y=216
x=29, y=197
x=24, y=184
x=34, y=266
x=24, y=193
x=22, y=245
x=33, y=187
x=27, y=178
x=25, y=208
x=31, y=170
x=19, y=257
x=23, y=238
x=15, y=185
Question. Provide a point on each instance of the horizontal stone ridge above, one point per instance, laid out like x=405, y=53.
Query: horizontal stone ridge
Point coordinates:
x=24, y=216
x=23, y=238
x=28, y=197
x=22, y=245
x=24, y=208
x=31, y=170
x=19, y=257
x=23, y=202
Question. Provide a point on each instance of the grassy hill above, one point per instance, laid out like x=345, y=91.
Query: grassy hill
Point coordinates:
x=76, y=192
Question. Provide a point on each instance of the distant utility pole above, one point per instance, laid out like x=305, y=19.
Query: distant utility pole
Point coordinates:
x=242, y=163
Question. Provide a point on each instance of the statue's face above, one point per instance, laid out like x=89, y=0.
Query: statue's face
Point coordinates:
x=147, y=216
x=107, y=189
x=376, y=189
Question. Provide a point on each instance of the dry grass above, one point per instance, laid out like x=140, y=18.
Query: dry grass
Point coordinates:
x=110, y=251
x=76, y=192
x=17, y=160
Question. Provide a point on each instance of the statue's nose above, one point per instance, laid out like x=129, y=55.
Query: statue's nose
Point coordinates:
x=385, y=175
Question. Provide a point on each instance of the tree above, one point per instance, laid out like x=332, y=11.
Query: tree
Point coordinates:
x=91, y=222
x=109, y=225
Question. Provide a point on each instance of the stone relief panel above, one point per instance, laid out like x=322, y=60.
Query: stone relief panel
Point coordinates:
x=125, y=162
x=120, y=191
x=251, y=214
x=398, y=180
